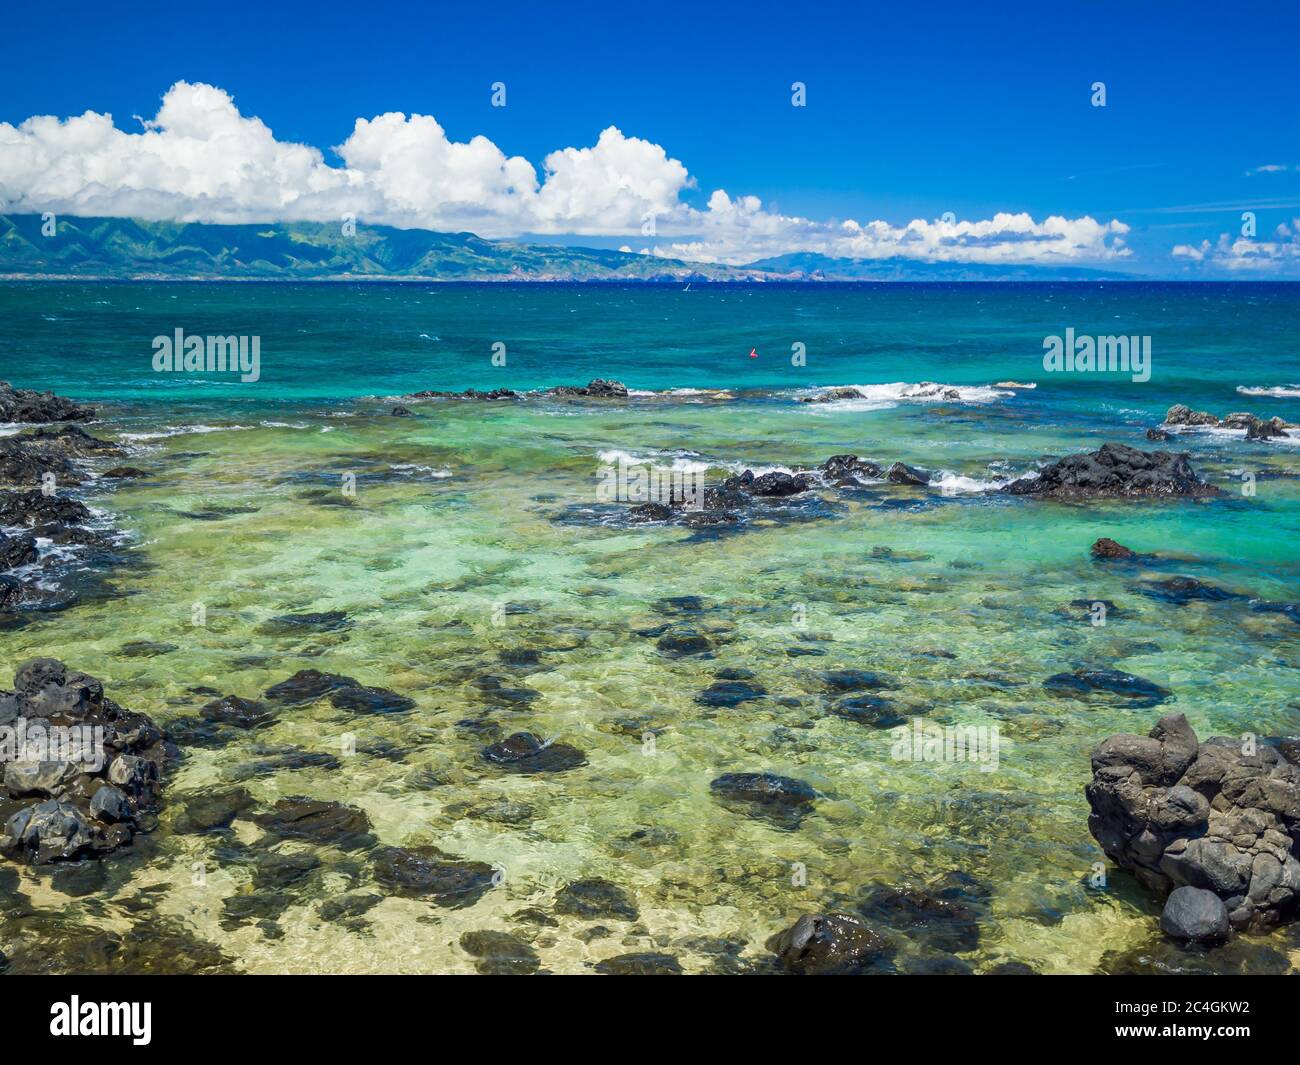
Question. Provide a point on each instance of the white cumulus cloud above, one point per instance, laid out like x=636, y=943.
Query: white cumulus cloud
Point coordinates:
x=1243, y=255
x=201, y=160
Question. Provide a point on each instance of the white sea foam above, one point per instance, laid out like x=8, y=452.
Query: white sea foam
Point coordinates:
x=1278, y=391
x=950, y=483
x=179, y=430
x=683, y=461
x=885, y=396
x=1291, y=439
x=684, y=393
x=431, y=471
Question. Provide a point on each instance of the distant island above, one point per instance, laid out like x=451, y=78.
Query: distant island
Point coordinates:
x=127, y=249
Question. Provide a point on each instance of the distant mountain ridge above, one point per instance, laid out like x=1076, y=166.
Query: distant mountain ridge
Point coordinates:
x=132, y=249
x=124, y=248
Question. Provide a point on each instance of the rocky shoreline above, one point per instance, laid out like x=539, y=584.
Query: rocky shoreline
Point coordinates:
x=1114, y=472
x=47, y=535
x=1187, y=819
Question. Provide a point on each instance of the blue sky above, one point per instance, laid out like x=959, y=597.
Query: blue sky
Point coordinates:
x=912, y=111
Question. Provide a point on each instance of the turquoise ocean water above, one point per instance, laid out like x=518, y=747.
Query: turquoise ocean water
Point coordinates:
x=474, y=534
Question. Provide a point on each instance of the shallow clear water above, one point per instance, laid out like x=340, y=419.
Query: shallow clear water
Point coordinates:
x=468, y=507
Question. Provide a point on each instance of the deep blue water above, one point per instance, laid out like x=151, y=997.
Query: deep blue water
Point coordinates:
x=332, y=341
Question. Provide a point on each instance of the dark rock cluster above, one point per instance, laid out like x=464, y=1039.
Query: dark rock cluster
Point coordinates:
x=28, y=459
x=1180, y=813
x=36, y=467
x=469, y=393
x=1256, y=428
x=1115, y=471
x=597, y=389
x=65, y=809
x=27, y=405
x=748, y=494
x=924, y=390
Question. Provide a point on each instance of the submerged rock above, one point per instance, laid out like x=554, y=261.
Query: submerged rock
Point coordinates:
x=367, y=700
x=868, y=710
x=1083, y=683
x=293, y=624
x=1289, y=610
x=145, y=649
x=730, y=693
x=525, y=753
x=943, y=919
x=853, y=680
x=1182, y=590
x=783, y=801
x=426, y=872
x=678, y=645
x=677, y=605
x=1116, y=471
x=308, y=685
x=242, y=713
x=211, y=811
x=646, y=964
x=828, y=944
x=595, y=898
x=1177, y=812
x=500, y=954
x=316, y=821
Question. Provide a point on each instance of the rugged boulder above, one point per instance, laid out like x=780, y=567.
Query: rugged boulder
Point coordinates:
x=1115, y=471
x=597, y=389
x=27, y=405
x=1179, y=414
x=776, y=483
x=1176, y=812
x=847, y=471
x=1109, y=550
x=828, y=944
x=88, y=773
x=1195, y=915
x=1256, y=428
x=902, y=473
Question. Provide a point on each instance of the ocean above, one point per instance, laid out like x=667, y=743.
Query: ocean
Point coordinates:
x=481, y=575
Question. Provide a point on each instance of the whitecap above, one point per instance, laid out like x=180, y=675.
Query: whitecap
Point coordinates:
x=179, y=430
x=885, y=396
x=1276, y=391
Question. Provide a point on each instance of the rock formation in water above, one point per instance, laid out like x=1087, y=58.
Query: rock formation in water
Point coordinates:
x=1176, y=812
